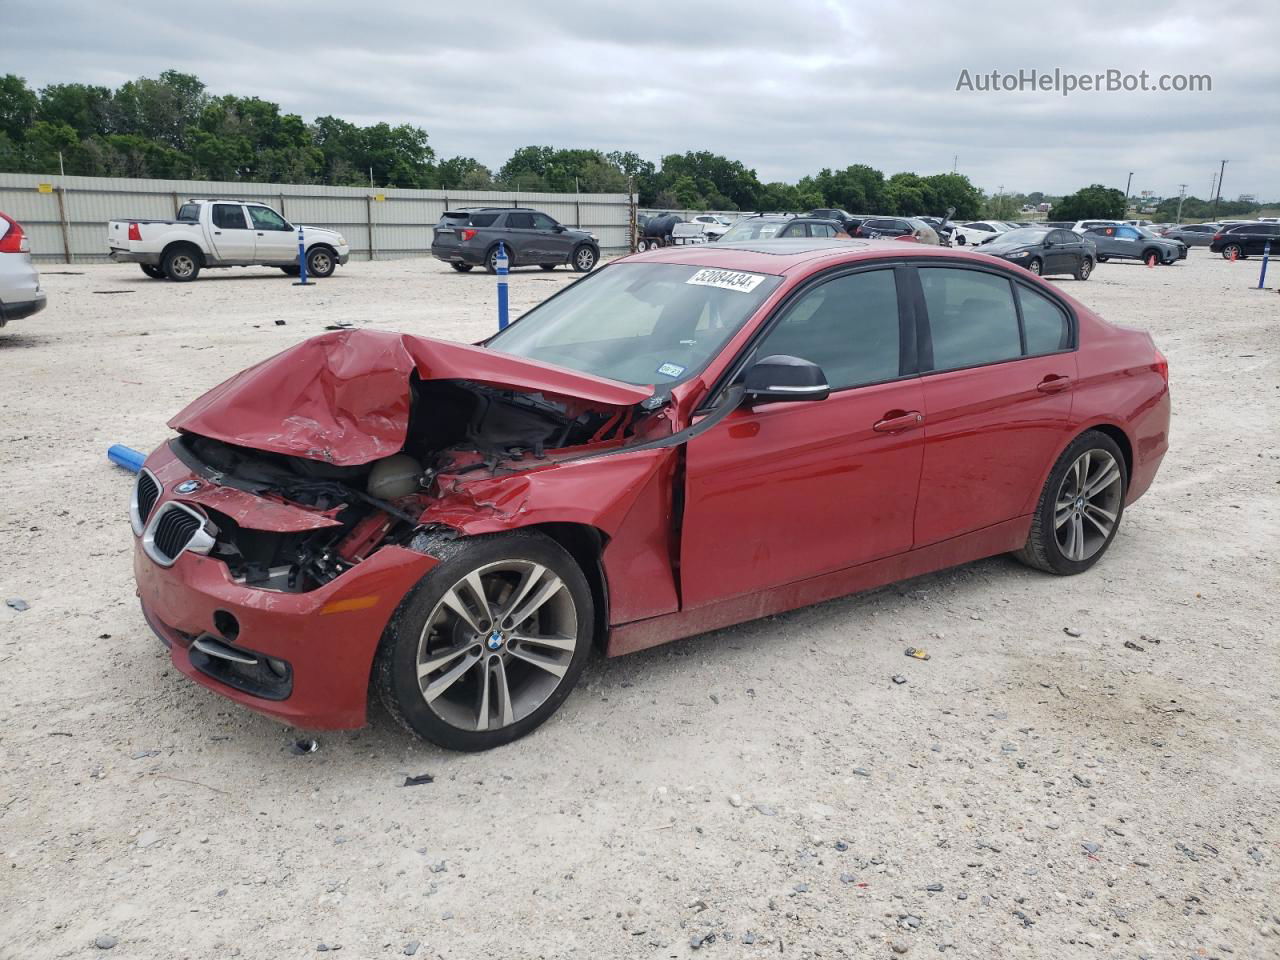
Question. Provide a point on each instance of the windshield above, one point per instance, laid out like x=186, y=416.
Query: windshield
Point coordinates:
x=753, y=228
x=1018, y=238
x=640, y=323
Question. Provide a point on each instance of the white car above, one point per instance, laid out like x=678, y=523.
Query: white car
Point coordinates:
x=714, y=227
x=20, y=292
x=223, y=233
x=980, y=231
x=1080, y=226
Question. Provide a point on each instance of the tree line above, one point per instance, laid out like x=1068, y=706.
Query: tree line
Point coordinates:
x=172, y=127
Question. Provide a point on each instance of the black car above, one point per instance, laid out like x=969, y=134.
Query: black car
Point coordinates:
x=848, y=221
x=776, y=227
x=1045, y=251
x=1246, y=240
x=469, y=237
x=1193, y=234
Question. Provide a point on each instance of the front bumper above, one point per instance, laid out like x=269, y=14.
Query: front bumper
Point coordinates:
x=23, y=308
x=328, y=636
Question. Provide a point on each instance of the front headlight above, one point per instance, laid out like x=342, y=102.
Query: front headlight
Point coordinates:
x=1021, y=253
x=342, y=241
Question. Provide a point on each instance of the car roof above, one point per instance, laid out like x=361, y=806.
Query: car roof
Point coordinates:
x=793, y=254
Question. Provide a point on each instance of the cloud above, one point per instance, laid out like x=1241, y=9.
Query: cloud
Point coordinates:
x=786, y=88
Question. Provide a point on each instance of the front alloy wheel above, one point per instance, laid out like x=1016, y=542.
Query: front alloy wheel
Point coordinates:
x=491, y=643
x=1035, y=266
x=584, y=259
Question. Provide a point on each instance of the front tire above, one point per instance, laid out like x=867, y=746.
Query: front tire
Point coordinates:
x=1035, y=266
x=1085, y=269
x=152, y=271
x=490, y=642
x=1080, y=507
x=1151, y=258
x=584, y=258
x=321, y=263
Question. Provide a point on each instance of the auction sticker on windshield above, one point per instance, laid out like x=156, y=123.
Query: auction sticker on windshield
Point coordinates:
x=727, y=279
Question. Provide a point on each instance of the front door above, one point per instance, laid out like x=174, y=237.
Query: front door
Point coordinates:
x=275, y=240
x=554, y=245
x=780, y=492
x=998, y=406
x=229, y=231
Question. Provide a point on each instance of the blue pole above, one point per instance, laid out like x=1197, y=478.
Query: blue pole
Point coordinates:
x=1266, y=255
x=126, y=457
x=302, y=260
x=502, y=263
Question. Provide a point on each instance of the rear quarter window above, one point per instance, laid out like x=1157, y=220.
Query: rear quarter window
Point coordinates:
x=1045, y=324
x=189, y=212
x=483, y=219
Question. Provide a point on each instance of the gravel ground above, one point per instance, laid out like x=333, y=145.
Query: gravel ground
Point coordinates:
x=1039, y=788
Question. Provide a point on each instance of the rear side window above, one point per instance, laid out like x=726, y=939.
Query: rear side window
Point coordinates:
x=189, y=212
x=520, y=221
x=848, y=326
x=972, y=317
x=229, y=216
x=1045, y=323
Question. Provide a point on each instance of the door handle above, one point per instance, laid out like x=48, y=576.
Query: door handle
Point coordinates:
x=899, y=421
x=217, y=233
x=1054, y=383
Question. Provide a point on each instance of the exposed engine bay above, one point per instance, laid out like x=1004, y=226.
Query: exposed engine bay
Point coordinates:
x=456, y=429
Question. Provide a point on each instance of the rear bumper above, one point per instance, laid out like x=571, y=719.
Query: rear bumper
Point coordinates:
x=328, y=637
x=129, y=256
x=457, y=254
x=22, y=308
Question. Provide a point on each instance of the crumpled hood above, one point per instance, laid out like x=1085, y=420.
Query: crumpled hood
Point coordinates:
x=344, y=398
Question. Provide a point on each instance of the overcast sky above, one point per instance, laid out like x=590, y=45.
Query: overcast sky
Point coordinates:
x=786, y=86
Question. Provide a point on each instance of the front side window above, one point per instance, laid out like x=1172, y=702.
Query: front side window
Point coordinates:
x=264, y=218
x=848, y=326
x=542, y=222
x=229, y=216
x=641, y=323
x=972, y=317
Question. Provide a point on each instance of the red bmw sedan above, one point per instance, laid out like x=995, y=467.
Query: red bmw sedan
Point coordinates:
x=684, y=440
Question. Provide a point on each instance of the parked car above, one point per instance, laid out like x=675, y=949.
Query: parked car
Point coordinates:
x=848, y=221
x=1246, y=239
x=20, y=292
x=684, y=440
x=223, y=233
x=1045, y=251
x=469, y=237
x=1134, y=243
x=777, y=227
x=1080, y=226
x=897, y=228
x=943, y=227
x=978, y=231
x=1192, y=234
x=713, y=225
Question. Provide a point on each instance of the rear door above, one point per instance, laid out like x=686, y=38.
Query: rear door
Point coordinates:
x=233, y=241
x=522, y=238
x=275, y=240
x=780, y=492
x=997, y=397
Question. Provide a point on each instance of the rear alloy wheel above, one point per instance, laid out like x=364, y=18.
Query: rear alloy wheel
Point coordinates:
x=1080, y=507
x=320, y=263
x=1085, y=270
x=584, y=259
x=182, y=265
x=491, y=261
x=461, y=267
x=152, y=271
x=1233, y=251
x=1035, y=266
x=490, y=643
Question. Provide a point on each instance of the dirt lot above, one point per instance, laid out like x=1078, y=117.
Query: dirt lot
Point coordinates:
x=1027, y=793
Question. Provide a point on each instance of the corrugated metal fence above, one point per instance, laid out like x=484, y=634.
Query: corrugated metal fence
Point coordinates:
x=66, y=217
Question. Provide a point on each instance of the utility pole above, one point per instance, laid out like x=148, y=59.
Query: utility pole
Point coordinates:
x=62, y=171
x=955, y=162
x=1126, y=193
x=1217, y=196
x=1182, y=192
x=371, y=176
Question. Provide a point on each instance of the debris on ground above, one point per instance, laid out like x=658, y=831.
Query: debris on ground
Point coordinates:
x=105, y=941
x=1072, y=632
x=17, y=603
x=1129, y=644
x=302, y=747
x=899, y=678
x=418, y=780
x=917, y=654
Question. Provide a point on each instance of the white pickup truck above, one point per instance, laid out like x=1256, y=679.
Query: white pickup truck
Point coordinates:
x=223, y=233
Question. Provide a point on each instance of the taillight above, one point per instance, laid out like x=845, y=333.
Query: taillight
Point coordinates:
x=1162, y=367
x=135, y=232
x=468, y=234
x=11, y=241
x=1217, y=237
x=857, y=231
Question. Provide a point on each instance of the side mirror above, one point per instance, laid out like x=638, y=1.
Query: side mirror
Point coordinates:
x=1048, y=243
x=558, y=228
x=781, y=377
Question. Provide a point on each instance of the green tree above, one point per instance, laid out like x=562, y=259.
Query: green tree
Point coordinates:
x=88, y=110
x=1094, y=201
x=722, y=183
x=1001, y=206
x=463, y=173
x=856, y=189
x=19, y=107
x=943, y=190
x=164, y=110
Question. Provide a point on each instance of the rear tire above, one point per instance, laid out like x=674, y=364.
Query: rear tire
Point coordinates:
x=491, y=259
x=1080, y=507
x=461, y=267
x=181, y=264
x=1233, y=251
x=321, y=263
x=290, y=271
x=1085, y=269
x=152, y=271
x=1103, y=259
x=492, y=681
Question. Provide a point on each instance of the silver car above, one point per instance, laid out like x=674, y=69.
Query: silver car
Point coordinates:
x=20, y=293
